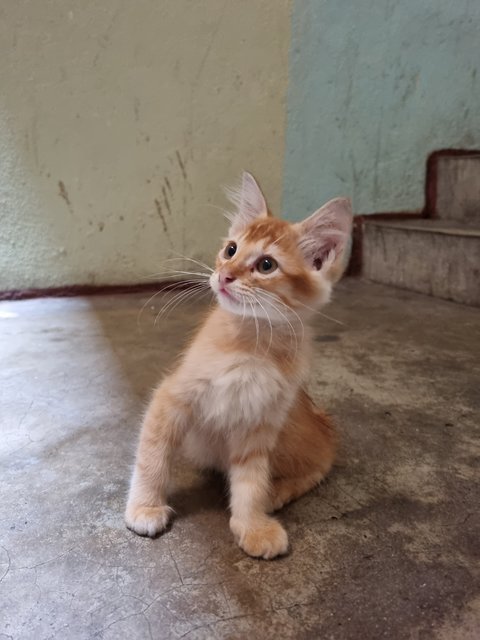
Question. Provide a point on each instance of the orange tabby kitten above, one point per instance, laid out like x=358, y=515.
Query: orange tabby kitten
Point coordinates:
x=237, y=401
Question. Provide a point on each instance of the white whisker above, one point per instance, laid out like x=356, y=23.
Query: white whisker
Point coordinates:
x=322, y=314
x=214, y=206
x=169, y=302
x=179, y=297
x=255, y=298
x=172, y=272
x=193, y=294
x=291, y=327
x=256, y=324
x=243, y=313
x=170, y=287
x=199, y=262
x=176, y=300
x=144, y=305
x=277, y=299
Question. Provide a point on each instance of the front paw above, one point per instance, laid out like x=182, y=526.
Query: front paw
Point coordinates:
x=265, y=539
x=147, y=521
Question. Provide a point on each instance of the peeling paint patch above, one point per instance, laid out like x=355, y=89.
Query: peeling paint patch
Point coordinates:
x=63, y=193
x=181, y=164
x=158, y=207
x=165, y=200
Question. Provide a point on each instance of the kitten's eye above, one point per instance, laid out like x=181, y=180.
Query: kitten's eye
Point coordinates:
x=266, y=265
x=230, y=250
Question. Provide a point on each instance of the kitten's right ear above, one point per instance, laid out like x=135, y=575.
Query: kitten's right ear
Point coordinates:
x=249, y=201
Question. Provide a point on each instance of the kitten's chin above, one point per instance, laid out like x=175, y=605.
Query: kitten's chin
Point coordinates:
x=230, y=304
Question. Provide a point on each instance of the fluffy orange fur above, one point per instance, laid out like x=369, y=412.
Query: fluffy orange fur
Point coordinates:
x=237, y=401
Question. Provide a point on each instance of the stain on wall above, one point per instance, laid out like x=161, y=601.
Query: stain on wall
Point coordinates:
x=374, y=87
x=119, y=124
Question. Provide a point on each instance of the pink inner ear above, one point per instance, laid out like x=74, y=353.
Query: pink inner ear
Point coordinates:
x=318, y=244
x=325, y=232
x=323, y=251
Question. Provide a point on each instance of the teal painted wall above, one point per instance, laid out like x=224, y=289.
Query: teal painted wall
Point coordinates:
x=374, y=87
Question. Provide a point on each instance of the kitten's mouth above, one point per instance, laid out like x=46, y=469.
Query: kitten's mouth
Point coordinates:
x=227, y=294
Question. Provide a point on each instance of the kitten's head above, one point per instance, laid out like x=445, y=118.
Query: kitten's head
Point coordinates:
x=272, y=268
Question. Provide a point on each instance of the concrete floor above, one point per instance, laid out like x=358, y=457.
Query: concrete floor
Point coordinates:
x=389, y=547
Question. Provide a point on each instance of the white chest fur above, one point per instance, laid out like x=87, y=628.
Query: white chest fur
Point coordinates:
x=231, y=391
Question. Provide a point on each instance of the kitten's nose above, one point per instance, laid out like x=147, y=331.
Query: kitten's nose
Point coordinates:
x=226, y=279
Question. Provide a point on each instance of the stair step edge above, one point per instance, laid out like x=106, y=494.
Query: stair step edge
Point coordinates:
x=429, y=225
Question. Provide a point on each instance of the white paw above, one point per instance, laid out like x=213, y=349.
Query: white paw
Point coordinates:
x=266, y=539
x=147, y=521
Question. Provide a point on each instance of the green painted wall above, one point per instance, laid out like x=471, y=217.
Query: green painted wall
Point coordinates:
x=119, y=124
x=374, y=87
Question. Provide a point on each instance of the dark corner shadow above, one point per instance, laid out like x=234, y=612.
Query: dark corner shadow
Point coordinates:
x=145, y=349
x=208, y=493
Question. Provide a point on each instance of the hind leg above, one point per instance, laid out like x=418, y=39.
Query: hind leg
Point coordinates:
x=304, y=452
x=284, y=490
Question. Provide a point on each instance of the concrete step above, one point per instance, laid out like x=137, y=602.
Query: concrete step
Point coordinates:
x=457, y=184
x=437, y=257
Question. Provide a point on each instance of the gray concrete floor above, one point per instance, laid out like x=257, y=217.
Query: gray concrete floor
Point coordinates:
x=388, y=547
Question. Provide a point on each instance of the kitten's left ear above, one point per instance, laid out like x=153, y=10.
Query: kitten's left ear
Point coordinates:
x=324, y=237
x=250, y=203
